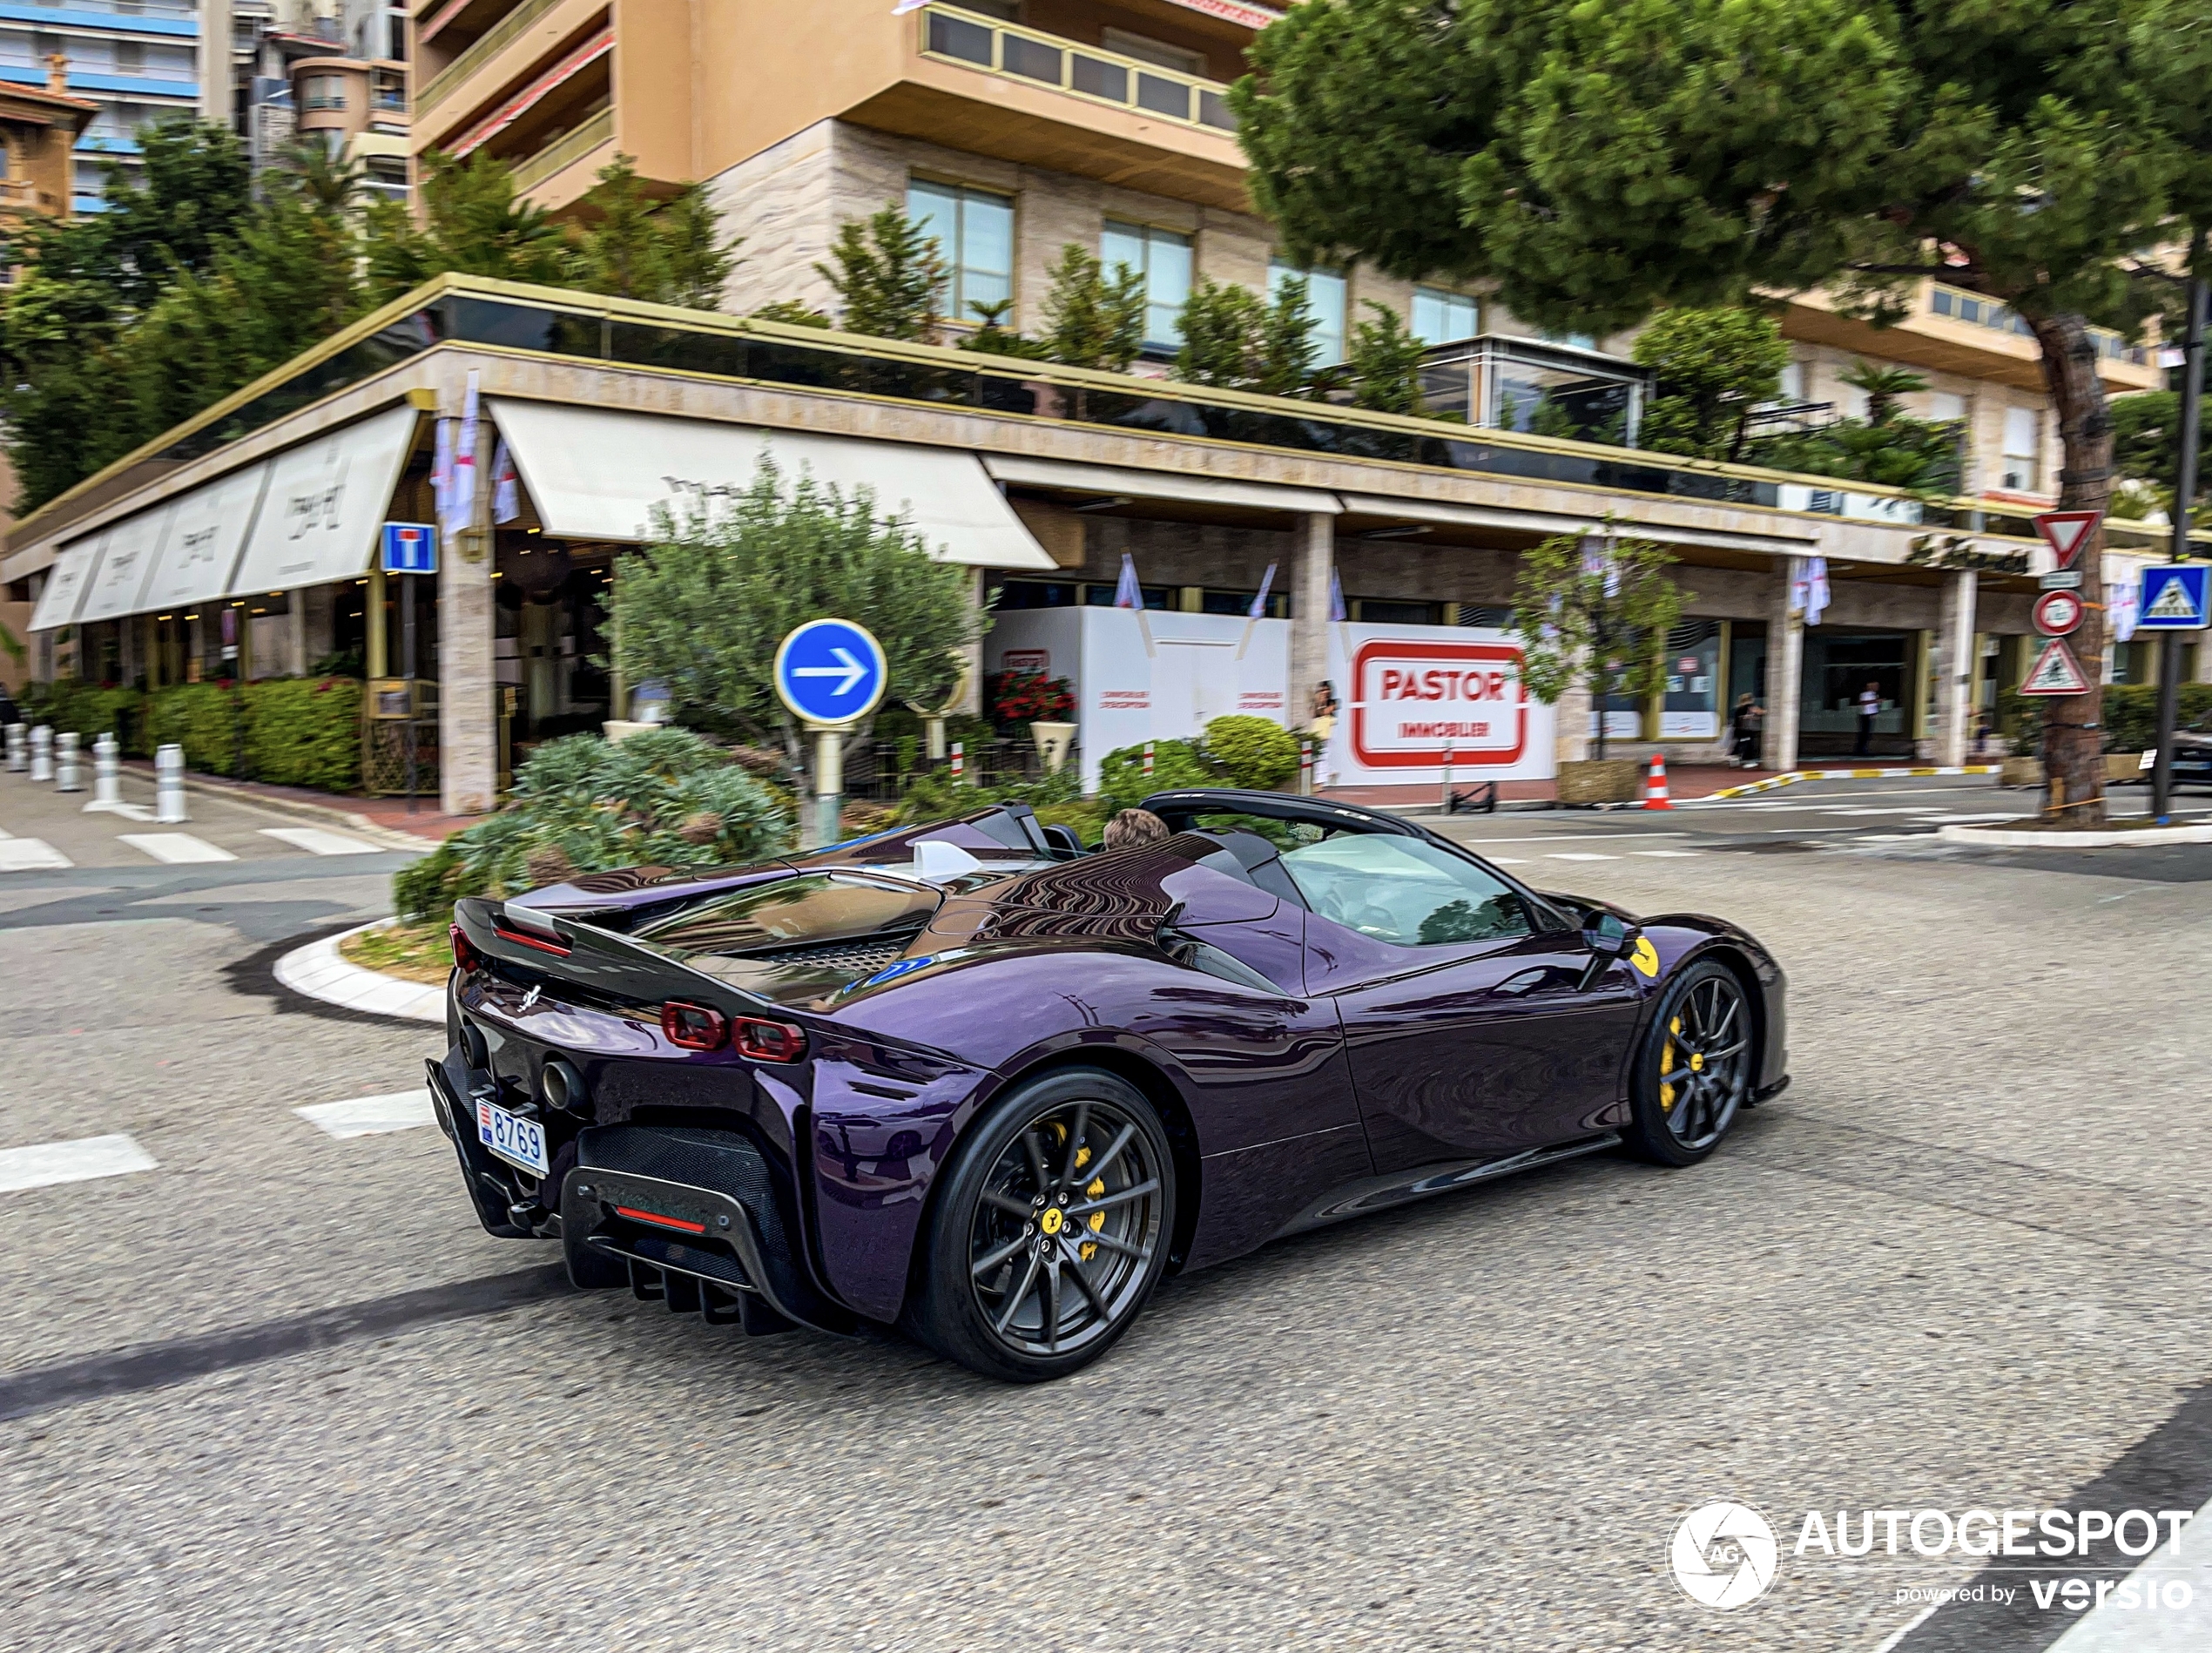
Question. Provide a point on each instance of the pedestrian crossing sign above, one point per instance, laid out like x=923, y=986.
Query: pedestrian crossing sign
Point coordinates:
x=2055, y=672
x=2173, y=598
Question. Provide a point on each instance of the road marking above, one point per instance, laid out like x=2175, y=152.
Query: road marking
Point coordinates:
x=1569, y=838
x=48, y=1162
x=1586, y=856
x=1677, y=854
x=2184, y=1561
x=175, y=848
x=316, y=841
x=1505, y=861
x=1890, y=1642
x=1855, y=811
x=30, y=855
x=371, y=1115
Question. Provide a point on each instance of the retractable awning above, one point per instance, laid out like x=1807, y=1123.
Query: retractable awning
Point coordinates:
x=1159, y=485
x=206, y=529
x=324, y=506
x=64, y=589
x=598, y=475
x=1788, y=538
x=127, y=552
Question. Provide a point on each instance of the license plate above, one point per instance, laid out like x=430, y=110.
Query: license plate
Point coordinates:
x=515, y=1139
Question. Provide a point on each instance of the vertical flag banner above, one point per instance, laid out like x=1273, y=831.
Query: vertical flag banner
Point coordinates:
x=1128, y=594
x=506, y=487
x=463, y=502
x=442, y=474
x=1258, y=610
x=2123, y=603
x=1816, y=588
x=1336, y=610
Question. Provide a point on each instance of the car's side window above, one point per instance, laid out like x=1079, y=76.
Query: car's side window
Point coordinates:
x=1405, y=892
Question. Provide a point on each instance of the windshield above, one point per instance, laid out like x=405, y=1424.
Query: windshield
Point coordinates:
x=1405, y=892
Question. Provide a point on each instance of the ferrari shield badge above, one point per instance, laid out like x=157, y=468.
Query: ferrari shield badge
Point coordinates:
x=1645, y=956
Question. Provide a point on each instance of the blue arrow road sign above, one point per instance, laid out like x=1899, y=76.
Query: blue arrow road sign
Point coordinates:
x=830, y=671
x=2173, y=598
x=410, y=548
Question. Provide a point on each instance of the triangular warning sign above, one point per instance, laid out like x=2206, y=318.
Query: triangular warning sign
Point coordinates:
x=2055, y=672
x=2174, y=605
x=2067, y=532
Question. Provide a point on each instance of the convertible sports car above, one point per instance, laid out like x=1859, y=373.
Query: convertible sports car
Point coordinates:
x=972, y=1080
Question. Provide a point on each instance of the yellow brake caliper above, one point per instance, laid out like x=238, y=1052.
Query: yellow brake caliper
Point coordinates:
x=1088, y=1249
x=1666, y=1067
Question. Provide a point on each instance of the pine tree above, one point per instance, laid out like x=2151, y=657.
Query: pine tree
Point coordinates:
x=1093, y=320
x=889, y=276
x=1384, y=369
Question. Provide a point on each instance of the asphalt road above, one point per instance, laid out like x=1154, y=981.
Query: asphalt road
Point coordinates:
x=279, y=1391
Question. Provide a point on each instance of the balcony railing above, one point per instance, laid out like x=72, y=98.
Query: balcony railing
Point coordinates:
x=494, y=41
x=563, y=152
x=1961, y=306
x=1052, y=60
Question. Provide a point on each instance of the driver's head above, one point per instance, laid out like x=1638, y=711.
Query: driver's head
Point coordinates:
x=1134, y=827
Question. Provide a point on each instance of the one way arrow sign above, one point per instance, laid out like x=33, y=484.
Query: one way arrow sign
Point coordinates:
x=850, y=670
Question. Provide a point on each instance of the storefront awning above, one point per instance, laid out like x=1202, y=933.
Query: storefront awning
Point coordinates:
x=206, y=530
x=1547, y=522
x=596, y=475
x=325, y=503
x=1158, y=484
x=65, y=588
x=126, y=556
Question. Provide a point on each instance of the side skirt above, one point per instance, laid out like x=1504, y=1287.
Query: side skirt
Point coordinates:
x=1381, y=1193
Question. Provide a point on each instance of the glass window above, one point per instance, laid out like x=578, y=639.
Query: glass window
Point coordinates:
x=791, y=912
x=1324, y=296
x=1163, y=258
x=2023, y=449
x=975, y=231
x=1939, y=301
x=1440, y=317
x=1145, y=49
x=1405, y=892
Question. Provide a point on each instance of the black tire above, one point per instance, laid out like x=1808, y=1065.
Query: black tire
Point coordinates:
x=1050, y=1231
x=1694, y=1073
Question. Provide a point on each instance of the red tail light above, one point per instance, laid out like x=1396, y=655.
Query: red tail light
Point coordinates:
x=464, y=951
x=694, y=1026
x=508, y=932
x=769, y=1040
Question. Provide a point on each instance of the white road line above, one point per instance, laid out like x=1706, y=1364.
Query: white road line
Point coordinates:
x=30, y=855
x=316, y=841
x=371, y=1115
x=1505, y=861
x=1570, y=856
x=48, y=1162
x=1677, y=854
x=1890, y=1642
x=175, y=848
x=1569, y=838
x=2180, y=1572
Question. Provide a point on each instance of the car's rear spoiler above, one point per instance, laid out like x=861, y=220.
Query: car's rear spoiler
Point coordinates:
x=600, y=962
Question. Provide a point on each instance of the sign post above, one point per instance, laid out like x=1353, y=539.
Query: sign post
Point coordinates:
x=409, y=549
x=829, y=674
x=2169, y=654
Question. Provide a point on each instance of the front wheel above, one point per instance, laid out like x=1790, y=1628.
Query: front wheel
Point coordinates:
x=1051, y=1229
x=1694, y=1074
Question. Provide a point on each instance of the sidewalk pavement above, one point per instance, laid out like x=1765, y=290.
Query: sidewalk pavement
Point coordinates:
x=1684, y=781
x=384, y=819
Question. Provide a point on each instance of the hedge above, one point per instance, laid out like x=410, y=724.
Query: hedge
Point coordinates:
x=2130, y=715
x=298, y=731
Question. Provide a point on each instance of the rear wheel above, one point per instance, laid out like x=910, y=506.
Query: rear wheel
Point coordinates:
x=1694, y=1074
x=1051, y=1229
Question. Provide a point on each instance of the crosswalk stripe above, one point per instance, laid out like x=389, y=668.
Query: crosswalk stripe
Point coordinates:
x=30, y=855
x=316, y=841
x=1507, y=860
x=1570, y=855
x=371, y=1115
x=45, y=1163
x=175, y=848
x=1672, y=855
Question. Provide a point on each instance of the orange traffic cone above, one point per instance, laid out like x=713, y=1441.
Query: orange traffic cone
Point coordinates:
x=1654, y=786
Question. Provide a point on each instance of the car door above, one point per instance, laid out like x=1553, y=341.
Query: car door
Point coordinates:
x=1474, y=1027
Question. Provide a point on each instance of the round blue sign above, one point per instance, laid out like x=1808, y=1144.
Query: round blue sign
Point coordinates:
x=830, y=672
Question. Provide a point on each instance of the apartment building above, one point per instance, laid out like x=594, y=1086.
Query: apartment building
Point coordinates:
x=136, y=61
x=347, y=84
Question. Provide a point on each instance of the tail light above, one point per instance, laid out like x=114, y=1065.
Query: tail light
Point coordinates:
x=694, y=1027
x=465, y=950
x=769, y=1040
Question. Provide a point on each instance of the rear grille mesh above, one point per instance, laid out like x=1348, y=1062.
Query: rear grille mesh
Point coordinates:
x=861, y=958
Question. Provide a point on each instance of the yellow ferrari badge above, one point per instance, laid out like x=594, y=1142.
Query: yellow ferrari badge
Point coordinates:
x=1051, y=1220
x=1645, y=956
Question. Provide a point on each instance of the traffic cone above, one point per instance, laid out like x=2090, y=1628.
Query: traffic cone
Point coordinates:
x=1654, y=785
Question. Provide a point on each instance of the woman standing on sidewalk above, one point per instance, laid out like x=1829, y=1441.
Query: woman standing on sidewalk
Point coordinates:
x=1744, y=730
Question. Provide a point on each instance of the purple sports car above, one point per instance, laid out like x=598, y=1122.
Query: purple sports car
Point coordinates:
x=975, y=1081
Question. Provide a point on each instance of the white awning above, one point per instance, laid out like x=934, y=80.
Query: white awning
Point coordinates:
x=127, y=552
x=1420, y=511
x=1159, y=485
x=208, y=527
x=320, y=517
x=65, y=588
x=597, y=475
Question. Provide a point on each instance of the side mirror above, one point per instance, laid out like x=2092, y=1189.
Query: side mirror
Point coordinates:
x=1608, y=940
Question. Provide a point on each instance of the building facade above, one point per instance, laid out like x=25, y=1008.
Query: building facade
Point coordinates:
x=136, y=61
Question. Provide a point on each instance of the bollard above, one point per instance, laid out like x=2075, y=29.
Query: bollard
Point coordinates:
x=41, y=752
x=959, y=761
x=68, y=776
x=169, y=785
x=18, y=748
x=107, y=773
x=1305, y=768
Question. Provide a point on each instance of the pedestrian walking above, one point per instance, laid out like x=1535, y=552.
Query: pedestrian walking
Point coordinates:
x=1744, y=724
x=1870, y=707
x=1324, y=725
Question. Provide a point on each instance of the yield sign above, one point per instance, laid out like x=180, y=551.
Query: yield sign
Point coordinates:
x=2055, y=672
x=2067, y=532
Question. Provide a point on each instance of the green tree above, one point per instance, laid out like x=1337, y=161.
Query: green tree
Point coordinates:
x=1884, y=387
x=791, y=313
x=1593, y=611
x=636, y=246
x=1092, y=318
x=1234, y=340
x=1600, y=162
x=705, y=606
x=2147, y=446
x=1384, y=369
x=472, y=225
x=1714, y=366
x=994, y=338
x=889, y=276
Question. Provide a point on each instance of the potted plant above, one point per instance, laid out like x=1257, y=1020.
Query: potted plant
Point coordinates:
x=1042, y=703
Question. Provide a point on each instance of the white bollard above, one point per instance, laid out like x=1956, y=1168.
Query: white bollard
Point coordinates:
x=169, y=785
x=18, y=748
x=69, y=776
x=107, y=773
x=41, y=752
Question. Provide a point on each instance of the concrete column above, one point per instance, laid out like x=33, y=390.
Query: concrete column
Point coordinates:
x=1955, y=665
x=468, y=687
x=295, y=632
x=1314, y=562
x=970, y=704
x=215, y=30
x=1785, y=659
x=1571, y=743
x=2203, y=657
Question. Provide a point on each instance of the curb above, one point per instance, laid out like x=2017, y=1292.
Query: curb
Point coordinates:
x=1795, y=775
x=316, y=971
x=1998, y=837
x=320, y=814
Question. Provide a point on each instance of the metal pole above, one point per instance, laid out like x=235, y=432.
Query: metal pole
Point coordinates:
x=107, y=779
x=2170, y=651
x=829, y=783
x=41, y=752
x=66, y=777
x=406, y=670
x=169, y=785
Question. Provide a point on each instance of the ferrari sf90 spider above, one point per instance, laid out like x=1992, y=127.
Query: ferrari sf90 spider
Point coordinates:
x=972, y=1080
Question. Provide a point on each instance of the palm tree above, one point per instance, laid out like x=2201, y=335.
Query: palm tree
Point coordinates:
x=1883, y=386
